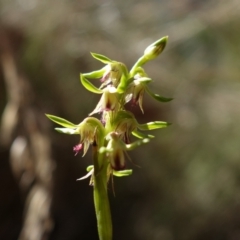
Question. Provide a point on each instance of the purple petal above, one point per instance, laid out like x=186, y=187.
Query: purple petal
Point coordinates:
x=77, y=148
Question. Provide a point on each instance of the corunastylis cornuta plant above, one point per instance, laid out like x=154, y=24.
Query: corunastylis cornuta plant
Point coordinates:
x=109, y=137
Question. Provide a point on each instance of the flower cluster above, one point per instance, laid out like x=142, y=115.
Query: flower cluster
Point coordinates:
x=111, y=135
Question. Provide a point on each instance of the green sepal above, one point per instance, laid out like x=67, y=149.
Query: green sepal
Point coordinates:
x=141, y=135
x=158, y=97
x=101, y=58
x=89, y=168
x=67, y=130
x=61, y=121
x=122, y=173
x=137, y=143
x=153, y=125
x=144, y=80
x=124, y=81
x=89, y=86
x=95, y=74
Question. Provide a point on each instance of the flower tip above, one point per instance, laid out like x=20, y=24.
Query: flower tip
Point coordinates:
x=90, y=173
x=77, y=148
x=122, y=173
x=167, y=99
x=146, y=140
x=161, y=42
x=165, y=39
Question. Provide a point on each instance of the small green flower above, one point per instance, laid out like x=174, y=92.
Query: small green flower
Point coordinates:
x=87, y=136
x=139, y=86
x=115, y=151
x=137, y=89
x=112, y=74
x=90, y=130
x=108, y=102
x=124, y=123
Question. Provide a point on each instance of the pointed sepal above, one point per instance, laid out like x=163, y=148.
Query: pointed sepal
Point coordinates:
x=89, y=86
x=101, y=58
x=158, y=97
x=95, y=74
x=122, y=173
x=137, y=143
x=153, y=125
x=70, y=131
x=141, y=135
x=61, y=121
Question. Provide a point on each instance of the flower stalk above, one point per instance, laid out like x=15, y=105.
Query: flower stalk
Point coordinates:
x=110, y=137
x=101, y=201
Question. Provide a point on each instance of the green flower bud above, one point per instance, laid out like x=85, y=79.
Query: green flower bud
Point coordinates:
x=153, y=50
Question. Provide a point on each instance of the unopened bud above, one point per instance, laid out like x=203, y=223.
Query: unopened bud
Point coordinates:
x=153, y=50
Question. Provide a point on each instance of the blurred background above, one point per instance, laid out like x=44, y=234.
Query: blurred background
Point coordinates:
x=188, y=183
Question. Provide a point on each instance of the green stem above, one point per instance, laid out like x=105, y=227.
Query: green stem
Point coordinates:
x=139, y=63
x=101, y=202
